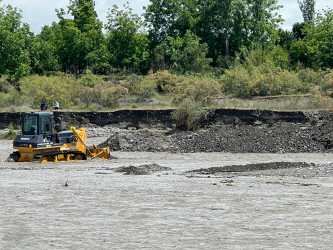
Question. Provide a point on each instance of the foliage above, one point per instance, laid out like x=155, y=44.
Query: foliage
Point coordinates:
x=285, y=39
x=225, y=26
x=9, y=95
x=279, y=56
x=165, y=81
x=108, y=96
x=104, y=94
x=84, y=15
x=298, y=30
x=11, y=134
x=98, y=60
x=236, y=41
x=201, y=90
x=316, y=48
x=77, y=40
x=308, y=9
x=189, y=115
x=87, y=91
x=299, y=53
x=319, y=41
x=328, y=83
x=170, y=18
x=144, y=87
x=14, y=42
x=89, y=79
x=147, y=89
x=127, y=46
x=310, y=77
x=43, y=59
x=253, y=77
x=132, y=83
x=35, y=89
x=184, y=54
x=161, y=81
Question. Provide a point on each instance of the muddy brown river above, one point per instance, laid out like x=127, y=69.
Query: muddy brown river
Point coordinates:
x=104, y=209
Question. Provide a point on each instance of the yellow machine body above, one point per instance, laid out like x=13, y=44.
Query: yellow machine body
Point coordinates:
x=76, y=149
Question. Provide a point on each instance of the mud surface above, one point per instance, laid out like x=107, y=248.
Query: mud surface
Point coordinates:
x=246, y=180
x=164, y=200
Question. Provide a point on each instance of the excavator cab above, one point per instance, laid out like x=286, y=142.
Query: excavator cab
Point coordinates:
x=38, y=123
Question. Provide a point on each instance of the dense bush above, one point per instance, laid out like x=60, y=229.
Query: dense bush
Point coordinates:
x=104, y=94
x=310, y=77
x=202, y=90
x=140, y=86
x=68, y=91
x=93, y=92
x=62, y=87
x=327, y=86
x=9, y=95
x=189, y=115
x=264, y=80
x=165, y=81
x=11, y=134
x=89, y=79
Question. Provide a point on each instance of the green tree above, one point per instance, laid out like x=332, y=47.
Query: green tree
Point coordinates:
x=215, y=27
x=226, y=26
x=298, y=30
x=285, y=39
x=68, y=43
x=98, y=60
x=308, y=10
x=319, y=41
x=84, y=14
x=184, y=54
x=15, y=38
x=77, y=38
x=171, y=18
x=255, y=24
x=316, y=48
x=42, y=54
x=126, y=42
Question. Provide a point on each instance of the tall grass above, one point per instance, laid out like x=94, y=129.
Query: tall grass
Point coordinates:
x=278, y=103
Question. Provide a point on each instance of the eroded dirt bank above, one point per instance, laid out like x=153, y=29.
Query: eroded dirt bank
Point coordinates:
x=238, y=132
x=224, y=130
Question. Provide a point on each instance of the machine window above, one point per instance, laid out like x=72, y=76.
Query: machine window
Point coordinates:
x=30, y=125
x=46, y=125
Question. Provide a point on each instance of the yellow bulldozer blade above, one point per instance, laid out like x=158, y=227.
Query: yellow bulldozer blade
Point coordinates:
x=98, y=152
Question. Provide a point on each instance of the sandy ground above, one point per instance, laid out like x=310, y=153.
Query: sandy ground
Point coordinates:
x=103, y=209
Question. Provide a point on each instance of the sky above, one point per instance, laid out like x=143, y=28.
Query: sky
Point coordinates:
x=38, y=13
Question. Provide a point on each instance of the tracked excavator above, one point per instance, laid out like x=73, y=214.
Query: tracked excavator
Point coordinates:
x=43, y=140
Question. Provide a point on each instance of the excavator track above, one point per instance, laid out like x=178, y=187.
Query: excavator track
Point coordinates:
x=13, y=157
x=57, y=156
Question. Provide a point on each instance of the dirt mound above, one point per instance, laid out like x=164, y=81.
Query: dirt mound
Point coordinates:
x=282, y=137
x=142, y=170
